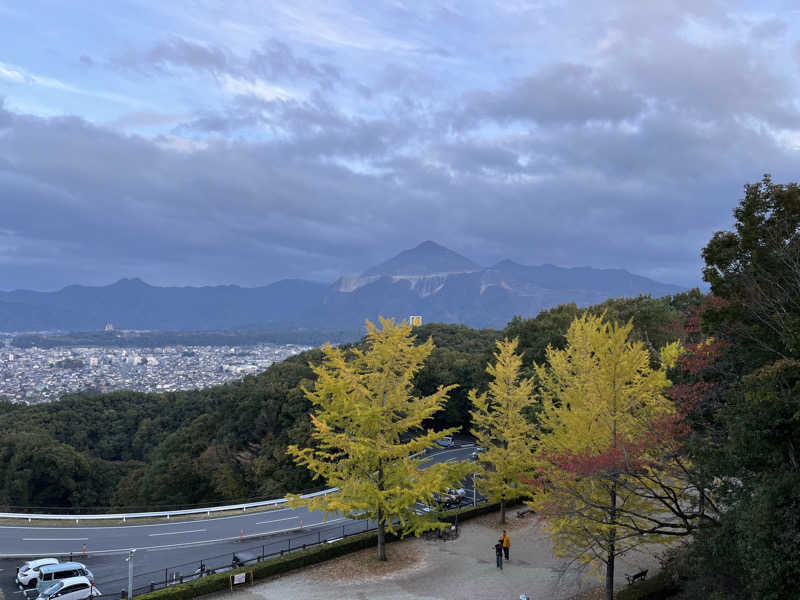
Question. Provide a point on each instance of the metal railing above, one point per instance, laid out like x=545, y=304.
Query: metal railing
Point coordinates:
x=189, y=571
x=182, y=512
x=163, y=514
x=221, y=563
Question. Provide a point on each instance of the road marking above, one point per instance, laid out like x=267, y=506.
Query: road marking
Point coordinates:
x=176, y=532
x=276, y=520
x=163, y=523
x=55, y=539
x=451, y=459
x=230, y=539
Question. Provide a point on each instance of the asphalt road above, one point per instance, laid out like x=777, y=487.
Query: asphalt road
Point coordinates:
x=167, y=550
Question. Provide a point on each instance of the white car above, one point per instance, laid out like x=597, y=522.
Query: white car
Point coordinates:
x=71, y=588
x=446, y=441
x=28, y=573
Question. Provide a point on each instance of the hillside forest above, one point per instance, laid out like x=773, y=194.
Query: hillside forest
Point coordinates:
x=732, y=389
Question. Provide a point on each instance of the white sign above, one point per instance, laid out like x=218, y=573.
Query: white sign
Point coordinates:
x=239, y=578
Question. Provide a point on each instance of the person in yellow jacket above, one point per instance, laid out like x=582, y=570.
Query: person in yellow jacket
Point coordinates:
x=506, y=543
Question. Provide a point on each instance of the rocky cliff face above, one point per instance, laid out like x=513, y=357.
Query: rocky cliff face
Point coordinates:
x=451, y=288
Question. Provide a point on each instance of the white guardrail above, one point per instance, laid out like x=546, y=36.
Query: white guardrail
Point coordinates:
x=172, y=513
x=167, y=513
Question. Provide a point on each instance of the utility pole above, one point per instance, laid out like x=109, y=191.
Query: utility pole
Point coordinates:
x=130, y=572
x=474, y=490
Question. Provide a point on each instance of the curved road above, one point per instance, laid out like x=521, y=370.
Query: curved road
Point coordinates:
x=167, y=550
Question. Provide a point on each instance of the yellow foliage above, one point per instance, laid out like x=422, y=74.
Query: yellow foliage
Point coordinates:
x=600, y=401
x=500, y=426
x=367, y=432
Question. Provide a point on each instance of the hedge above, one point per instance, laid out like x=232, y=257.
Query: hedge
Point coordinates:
x=298, y=559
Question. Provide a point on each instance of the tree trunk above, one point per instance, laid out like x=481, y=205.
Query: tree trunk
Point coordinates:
x=381, y=536
x=381, y=524
x=610, y=565
x=612, y=515
x=612, y=550
x=503, y=511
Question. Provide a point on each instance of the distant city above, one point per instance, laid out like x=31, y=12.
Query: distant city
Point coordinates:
x=34, y=374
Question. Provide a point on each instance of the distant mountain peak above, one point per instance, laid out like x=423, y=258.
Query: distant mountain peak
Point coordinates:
x=130, y=282
x=428, y=258
x=430, y=245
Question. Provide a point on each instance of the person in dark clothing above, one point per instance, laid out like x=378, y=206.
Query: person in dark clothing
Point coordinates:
x=498, y=552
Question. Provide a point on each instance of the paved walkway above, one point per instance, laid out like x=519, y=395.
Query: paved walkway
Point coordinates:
x=435, y=570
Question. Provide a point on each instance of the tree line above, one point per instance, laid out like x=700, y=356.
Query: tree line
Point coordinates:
x=227, y=442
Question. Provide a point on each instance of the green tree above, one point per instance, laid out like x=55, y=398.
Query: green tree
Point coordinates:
x=602, y=403
x=755, y=269
x=752, y=459
x=366, y=429
x=500, y=425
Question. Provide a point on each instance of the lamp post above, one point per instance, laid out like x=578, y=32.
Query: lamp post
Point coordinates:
x=130, y=571
x=474, y=490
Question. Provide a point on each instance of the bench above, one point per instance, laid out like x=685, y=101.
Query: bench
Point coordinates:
x=524, y=512
x=640, y=576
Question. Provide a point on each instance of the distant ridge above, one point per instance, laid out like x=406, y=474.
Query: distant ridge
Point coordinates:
x=134, y=304
x=428, y=280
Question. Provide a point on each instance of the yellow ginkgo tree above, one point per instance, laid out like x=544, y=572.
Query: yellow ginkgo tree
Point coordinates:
x=368, y=436
x=605, y=421
x=499, y=424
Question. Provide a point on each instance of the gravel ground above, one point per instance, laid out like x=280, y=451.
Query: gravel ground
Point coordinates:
x=435, y=570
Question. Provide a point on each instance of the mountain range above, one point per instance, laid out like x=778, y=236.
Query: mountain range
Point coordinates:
x=428, y=280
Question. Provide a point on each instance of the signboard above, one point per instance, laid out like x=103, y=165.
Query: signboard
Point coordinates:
x=239, y=578
x=415, y=320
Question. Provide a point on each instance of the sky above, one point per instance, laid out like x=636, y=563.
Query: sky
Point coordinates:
x=243, y=142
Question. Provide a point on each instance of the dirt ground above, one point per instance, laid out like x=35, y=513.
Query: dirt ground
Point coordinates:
x=437, y=570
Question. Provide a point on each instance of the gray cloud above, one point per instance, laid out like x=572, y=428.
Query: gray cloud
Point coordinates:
x=178, y=52
x=628, y=151
x=769, y=28
x=251, y=213
x=276, y=61
x=569, y=93
x=145, y=119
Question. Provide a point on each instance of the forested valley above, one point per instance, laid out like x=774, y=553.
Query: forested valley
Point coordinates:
x=225, y=443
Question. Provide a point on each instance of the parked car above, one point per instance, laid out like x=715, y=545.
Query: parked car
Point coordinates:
x=446, y=441
x=71, y=588
x=51, y=573
x=28, y=572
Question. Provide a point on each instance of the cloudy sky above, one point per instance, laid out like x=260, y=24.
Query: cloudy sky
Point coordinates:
x=211, y=142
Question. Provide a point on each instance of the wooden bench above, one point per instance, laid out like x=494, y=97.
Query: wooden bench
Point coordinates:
x=524, y=512
x=640, y=576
